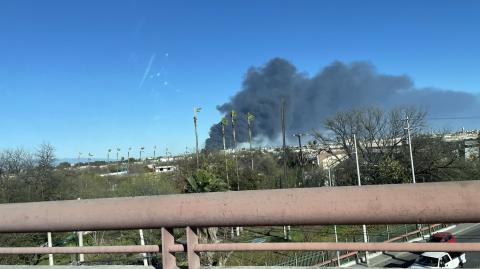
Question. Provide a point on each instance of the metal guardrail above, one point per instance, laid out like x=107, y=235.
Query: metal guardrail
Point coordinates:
x=449, y=202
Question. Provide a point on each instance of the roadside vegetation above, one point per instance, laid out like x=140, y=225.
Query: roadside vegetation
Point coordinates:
x=383, y=155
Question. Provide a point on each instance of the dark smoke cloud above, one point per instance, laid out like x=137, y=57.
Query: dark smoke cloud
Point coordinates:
x=310, y=100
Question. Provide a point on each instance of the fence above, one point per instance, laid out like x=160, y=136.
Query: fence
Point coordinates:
x=449, y=202
x=394, y=233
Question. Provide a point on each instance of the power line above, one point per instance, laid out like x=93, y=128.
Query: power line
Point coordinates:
x=454, y=118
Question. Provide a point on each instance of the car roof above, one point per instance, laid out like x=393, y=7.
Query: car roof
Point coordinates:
x=436, y=255
x=441, y=234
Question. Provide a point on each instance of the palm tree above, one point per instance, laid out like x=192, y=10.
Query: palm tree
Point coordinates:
x=195, y=111
x=108, y=155
x=204, y=181
x=225, y=123
x=250, y=118
x=118, y=151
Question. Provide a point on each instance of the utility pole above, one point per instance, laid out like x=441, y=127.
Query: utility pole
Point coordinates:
x=250, y=118
x=300, y=159
x=334, y=226
x=233, y=116
x=79, y=154
x=286, y=229
x=284, y=146
x=365, y=238
x=410, y=149
x=329, y=177
x=407, y=120
x=225, y=123
x=195, y=111
x=154, y=149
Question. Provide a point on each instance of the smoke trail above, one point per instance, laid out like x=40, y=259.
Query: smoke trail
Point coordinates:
x=338, y=86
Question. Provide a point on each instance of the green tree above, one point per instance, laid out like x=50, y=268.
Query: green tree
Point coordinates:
x=64, y=165
x=45, y=158
x=205, y=181
x=379, y=134
x=392, y=171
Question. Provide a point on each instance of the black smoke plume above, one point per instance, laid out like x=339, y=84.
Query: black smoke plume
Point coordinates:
x=310, y=100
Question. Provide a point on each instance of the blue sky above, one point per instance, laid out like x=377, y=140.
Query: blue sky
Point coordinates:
x=71, y=71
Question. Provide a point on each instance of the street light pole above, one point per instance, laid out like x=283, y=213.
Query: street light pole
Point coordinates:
x=128, y=158
x=141, y=149
x=89, y=155
x=118, y=163
x=195, y=111
x=364, y=227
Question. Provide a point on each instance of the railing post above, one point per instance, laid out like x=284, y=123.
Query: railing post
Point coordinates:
x=142, y=242
x=192, y=256
x=168, y=258
x=421, y=231
x=50, y=255
x=388, y=233
x=81, y=256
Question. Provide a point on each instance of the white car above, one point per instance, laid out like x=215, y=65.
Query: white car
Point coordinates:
x=440, y=260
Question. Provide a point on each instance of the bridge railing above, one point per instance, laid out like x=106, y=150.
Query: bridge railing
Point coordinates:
x=449, y=202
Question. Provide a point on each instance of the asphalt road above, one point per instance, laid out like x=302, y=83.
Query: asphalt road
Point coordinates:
x=473, y=235
x=404, y=260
